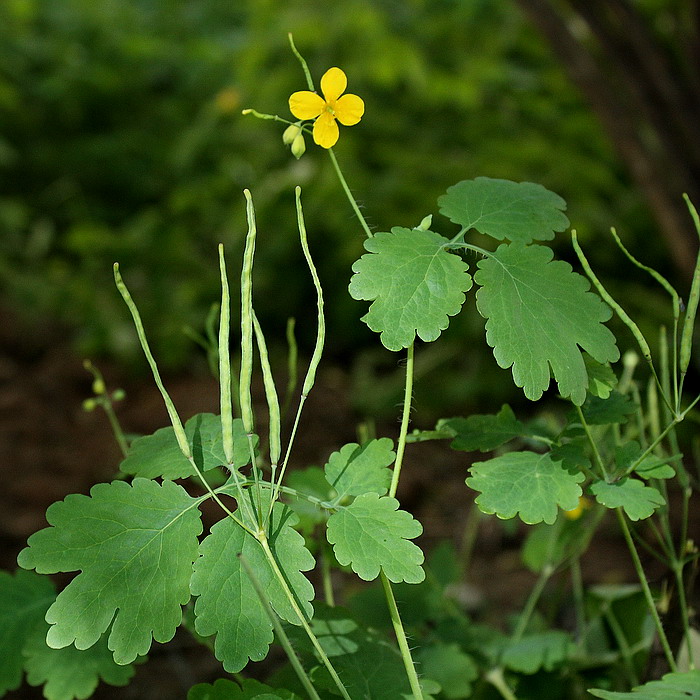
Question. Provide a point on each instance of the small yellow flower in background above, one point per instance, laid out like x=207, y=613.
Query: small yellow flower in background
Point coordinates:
x=347, y=109
x=575, y=513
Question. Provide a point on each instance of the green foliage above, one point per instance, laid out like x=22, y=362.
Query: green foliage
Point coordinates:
x=69, y=672
x=227, y=603
x=525, y=483
x=355, y=470
x=369, y=666
x=372, y=534
x=485, y=432
x=533, y=652
x=248, y=690
x=454, y=670
x=673, y=686
x=65, y=673
x=24, y=600
x=134, y=545
x=540, y=314
x=518, y=211
x=639, y=501
x=414, y=283
x=159, y=455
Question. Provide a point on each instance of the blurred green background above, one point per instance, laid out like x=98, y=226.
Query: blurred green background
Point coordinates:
x=122, y=139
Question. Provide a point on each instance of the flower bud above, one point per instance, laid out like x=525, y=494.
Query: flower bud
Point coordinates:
x=98, y=387
x=291, y=133
x=298, y=146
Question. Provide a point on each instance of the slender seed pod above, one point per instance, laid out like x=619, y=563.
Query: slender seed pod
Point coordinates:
x=692, y=306
x=246, y=372
x=225, y=363
x=180, y=436
x=321, y=331
x=270, y=394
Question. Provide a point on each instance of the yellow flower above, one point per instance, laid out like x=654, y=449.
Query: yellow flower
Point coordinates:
x=575, y=513
x=347, y=109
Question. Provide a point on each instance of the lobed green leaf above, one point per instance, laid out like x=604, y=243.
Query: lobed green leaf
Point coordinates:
x=517, y=211
x=69, y=672
x=533, y=652
x=673, y=686
x=414, y=283
x=158, y=455
x=483, y=432
x=540, y=315
x=525, y=483
x=135, y=545
x=355, y=470
x=24, y=599
x=371, y=534
x=639, y=501
x=228, y=605
x=249, y=689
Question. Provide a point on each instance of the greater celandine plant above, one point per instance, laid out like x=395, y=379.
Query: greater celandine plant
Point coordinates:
x=141, y=552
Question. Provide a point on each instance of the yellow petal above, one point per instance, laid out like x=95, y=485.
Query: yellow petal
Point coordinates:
x=349, y=109
x=306, y=105
x=326, y=130
x=333, y=84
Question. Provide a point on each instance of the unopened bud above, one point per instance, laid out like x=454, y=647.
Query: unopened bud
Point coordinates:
x=98, y=387
x=425, y=224
x=291, y=133
x=89, y=405
x=298, y=146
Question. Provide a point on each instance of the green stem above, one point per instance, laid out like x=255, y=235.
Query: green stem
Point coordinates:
x=594, y=446
x=531, y=602
x=645, y=588
x=496, y=679
x=401, y=638
x=348, y=194
x=104, y=399
x=405, y=420
x=262, y=538
x=279, y=631
x=625, y=651
x=326, y=577
x=683, y=604
x=304, y=66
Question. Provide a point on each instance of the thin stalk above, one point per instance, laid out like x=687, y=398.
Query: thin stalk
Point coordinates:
x=496, y=679
x=326, y=578
x=279, y=631
x=104, y=399
x=401, y=638
x=532, y=601
x=647, y=591
x=625, y=651
x=593, y=443
x=578, y=594
x=683, y=604
x=304, y=66
x=405, y=420
x=622, y=314
x=469, y=535
x=262, y=538
x=348, y=194
x=310, y=377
